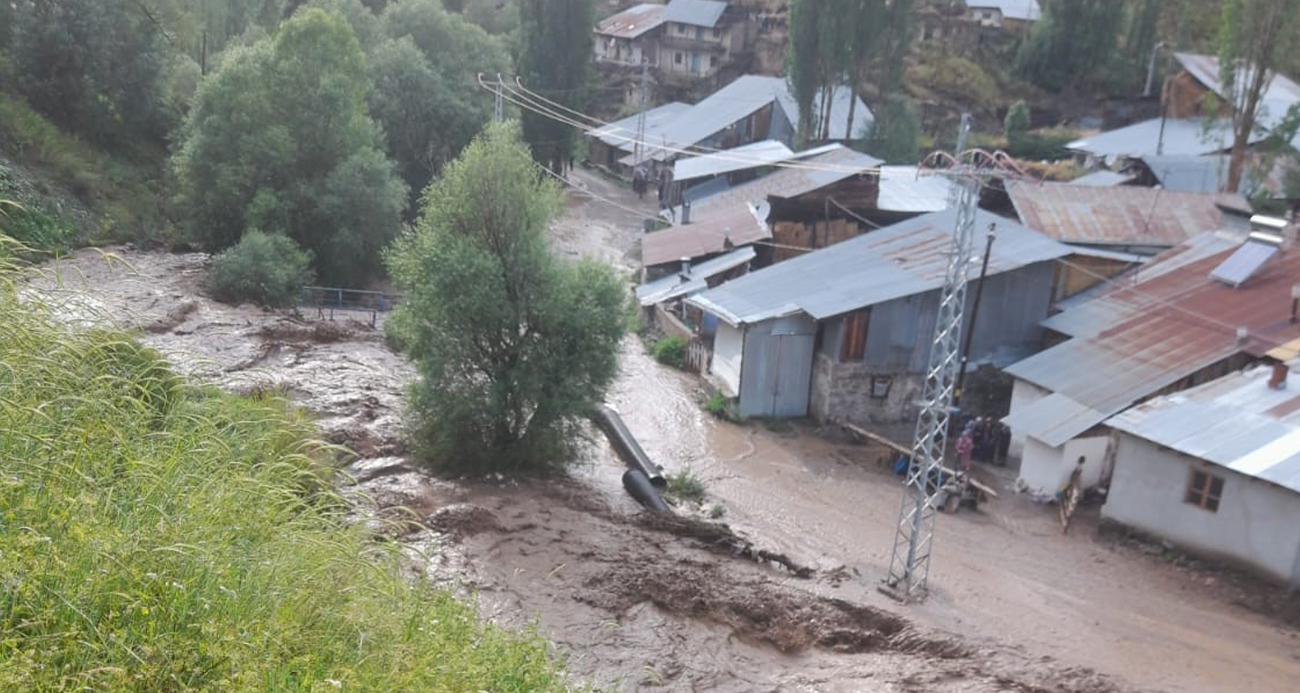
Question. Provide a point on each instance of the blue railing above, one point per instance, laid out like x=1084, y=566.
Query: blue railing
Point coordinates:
x=325, y=300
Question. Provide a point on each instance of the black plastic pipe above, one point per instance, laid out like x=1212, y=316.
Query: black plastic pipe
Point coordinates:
x=626, y=446
x=645, y=493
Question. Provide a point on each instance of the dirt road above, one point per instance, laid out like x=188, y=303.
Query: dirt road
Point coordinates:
x=637, y=604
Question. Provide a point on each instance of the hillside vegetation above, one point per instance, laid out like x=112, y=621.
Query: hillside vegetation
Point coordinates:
x=159, y=537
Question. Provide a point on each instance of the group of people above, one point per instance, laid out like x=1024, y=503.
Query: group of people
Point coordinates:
x=983, y=439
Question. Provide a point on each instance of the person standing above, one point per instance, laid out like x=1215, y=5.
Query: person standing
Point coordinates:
x=1071, y=494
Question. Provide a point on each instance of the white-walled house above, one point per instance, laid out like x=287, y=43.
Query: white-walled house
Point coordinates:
x=1216, y=470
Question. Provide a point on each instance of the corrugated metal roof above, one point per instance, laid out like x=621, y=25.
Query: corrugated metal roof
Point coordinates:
x=904, y=259
x=632, y=22
x=740, y=99
x=620, y=133
x=1139, y=338
x=1022, y=10
x=753, y=155
x=742, y=224
x=1203, y=174
x=1123, y=215
x=1236, y=422
x=1281, y=94
x=1182, y=137
x=675, y=285
x=1102, y=179
x=902, y=190
x=791, y=182
x=695, y=12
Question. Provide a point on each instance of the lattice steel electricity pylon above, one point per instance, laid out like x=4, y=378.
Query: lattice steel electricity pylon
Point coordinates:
x=909, y=565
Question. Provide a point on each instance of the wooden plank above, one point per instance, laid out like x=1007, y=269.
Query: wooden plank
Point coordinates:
x=876, y=437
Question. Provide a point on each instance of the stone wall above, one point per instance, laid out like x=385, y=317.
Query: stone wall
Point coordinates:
x=843, y=392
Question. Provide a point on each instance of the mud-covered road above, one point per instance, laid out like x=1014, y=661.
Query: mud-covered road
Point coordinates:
x=637, y=603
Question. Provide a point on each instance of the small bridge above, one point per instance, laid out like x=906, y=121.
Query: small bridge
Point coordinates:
x=326, y=300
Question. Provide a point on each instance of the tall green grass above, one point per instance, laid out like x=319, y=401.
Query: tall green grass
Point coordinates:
x=159, y=537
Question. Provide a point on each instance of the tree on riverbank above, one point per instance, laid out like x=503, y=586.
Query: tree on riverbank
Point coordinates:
x=513, y=346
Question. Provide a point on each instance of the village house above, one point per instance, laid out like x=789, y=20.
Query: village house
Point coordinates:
x=630, y=37
x=700, y=36
x=1112, y=229
x=1190, y=91
x=1216, y=470
x=738, y=226
x=1204, y=309
x=1008, y=15
x=843, y=333
x=752, y=108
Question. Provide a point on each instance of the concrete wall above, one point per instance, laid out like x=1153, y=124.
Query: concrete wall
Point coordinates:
x=1044, y=468
x=1023, y=394
x=1256, y=521
x=728, y=344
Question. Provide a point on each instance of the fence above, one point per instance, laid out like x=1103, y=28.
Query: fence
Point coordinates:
x=326, y=300
x=697, y=356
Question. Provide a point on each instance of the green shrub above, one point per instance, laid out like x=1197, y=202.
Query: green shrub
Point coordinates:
x=685, y=487
x=717, y=511
x=266, y=269
x=723, y=407
x=671, y=351
x=201, y=548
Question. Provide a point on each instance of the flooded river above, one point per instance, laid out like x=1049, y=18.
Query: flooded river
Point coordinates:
x=638, y=603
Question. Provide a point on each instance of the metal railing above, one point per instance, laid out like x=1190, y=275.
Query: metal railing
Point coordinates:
x=326, y=300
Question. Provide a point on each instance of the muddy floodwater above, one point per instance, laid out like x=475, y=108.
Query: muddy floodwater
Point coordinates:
x=637, y=602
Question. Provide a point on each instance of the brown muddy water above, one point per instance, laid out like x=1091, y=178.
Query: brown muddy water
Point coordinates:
x=636, y=602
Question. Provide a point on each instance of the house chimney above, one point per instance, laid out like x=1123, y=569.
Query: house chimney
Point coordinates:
x=1242, y=334
x=1278, y=381
x=686, y=269
x=686, y=213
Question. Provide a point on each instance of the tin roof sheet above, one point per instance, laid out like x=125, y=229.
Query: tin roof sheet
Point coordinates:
x=1102, y=179
x=1236, y=422
x=787, y=183
x=754, y=155
x=902, y=190
x=1022, y=10
x=1118, y=216
x=695, y=12
x=1175, y=136
x=675, y=285
x=1282, y=92
x=621, y=133
x=632, y=22
x=742, y=224
x=904, y=259
x=1141, y=337
x=1203, y=174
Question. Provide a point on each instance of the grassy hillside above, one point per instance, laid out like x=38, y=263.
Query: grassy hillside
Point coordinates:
x=72, y=193
x=157, y=537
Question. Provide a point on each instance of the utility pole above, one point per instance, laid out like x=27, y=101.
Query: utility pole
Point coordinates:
x=974, y=314
x=909, y=564
x=638, y=146
x=1151, y=68
x=498, y=109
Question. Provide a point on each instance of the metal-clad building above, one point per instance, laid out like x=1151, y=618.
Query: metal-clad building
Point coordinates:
x=844, y=332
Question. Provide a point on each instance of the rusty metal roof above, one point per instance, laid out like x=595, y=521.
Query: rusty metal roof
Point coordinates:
x=742, y=224
x=1165, y=327
x=632, y=22
x=1237, y=422
x=1120, y=215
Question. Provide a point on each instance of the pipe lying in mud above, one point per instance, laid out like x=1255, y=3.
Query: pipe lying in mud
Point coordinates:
x=626, y=446
x=639, y=487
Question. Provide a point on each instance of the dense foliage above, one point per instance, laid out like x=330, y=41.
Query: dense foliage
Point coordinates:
x=280, y=138
x=1072, y=43
x=555, y=61
x=895, y=135
x=161, y=538
x=512, y=345
x=266, y=269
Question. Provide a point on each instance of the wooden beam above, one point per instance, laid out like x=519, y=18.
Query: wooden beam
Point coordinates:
x=882, y=440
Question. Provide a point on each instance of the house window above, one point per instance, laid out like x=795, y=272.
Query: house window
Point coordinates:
x=677, y=58
x=1204, y=490
x=717, y=33
x=853, y=335
x=713, y=61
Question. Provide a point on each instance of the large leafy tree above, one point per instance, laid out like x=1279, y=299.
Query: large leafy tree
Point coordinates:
x=513, y=346
x=423, y=88
x=1256, y=37
x=555, y=61
x=93, y=66
x=1072, y=42
x=279, y=139
x=895, y=135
